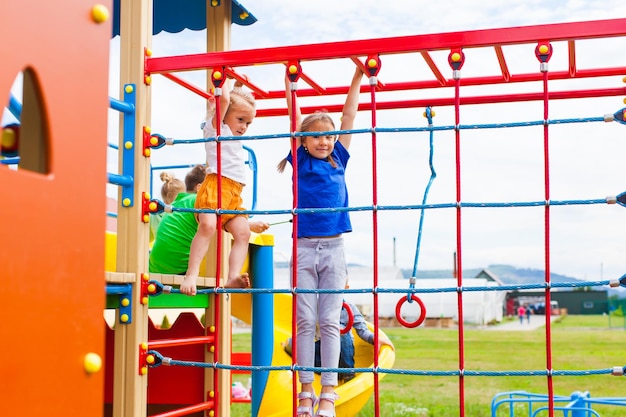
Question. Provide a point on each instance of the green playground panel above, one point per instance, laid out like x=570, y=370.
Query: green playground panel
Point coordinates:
x=179, y=301
x=166, y=301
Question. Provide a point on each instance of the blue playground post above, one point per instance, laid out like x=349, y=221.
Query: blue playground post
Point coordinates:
x=579, y=404
x=262, y=272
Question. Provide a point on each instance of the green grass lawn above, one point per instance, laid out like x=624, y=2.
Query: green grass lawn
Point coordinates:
x=577, y=343
x=591, y=322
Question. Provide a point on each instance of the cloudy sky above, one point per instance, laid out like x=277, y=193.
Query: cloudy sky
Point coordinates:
x=497, y=165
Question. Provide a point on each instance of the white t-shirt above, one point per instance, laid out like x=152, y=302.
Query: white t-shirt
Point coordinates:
x=232, y=153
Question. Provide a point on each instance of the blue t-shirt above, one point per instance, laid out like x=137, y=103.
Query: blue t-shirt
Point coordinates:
x=322, y=186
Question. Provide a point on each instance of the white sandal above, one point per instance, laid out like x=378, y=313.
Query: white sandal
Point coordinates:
x=328, y=397
x=307, y=411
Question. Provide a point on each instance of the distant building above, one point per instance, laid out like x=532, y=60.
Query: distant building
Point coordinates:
x=479, y=307
x=573, y=302
x=489, y=276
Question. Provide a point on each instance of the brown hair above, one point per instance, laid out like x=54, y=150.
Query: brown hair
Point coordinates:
x=194, y=177
x=305, y=126
x=171, y=187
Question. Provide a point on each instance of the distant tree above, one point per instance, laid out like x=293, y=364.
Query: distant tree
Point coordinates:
x=618, y=312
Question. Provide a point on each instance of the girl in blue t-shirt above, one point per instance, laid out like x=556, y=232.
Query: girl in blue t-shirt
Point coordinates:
x=321, y=165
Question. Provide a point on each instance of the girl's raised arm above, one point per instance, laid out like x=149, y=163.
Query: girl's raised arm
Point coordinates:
x=350, y=108
x=224, y=102
x=298, y=113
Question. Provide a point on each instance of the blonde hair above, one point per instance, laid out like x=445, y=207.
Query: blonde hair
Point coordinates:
x=171, y=187
x=305, y=126
x=239, y=96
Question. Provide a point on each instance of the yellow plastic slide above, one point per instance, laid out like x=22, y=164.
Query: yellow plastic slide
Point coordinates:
x=353, y=395
x=276, y=402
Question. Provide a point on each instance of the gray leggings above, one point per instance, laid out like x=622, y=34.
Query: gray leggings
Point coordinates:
x=321, y=265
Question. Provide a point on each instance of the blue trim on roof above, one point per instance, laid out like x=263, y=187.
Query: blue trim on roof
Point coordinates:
x=240, y=15
x=175, y=16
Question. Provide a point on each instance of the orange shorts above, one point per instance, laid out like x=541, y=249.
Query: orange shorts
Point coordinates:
x=231, y=196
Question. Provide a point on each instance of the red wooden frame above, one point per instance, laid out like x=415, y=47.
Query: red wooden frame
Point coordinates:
x=423, y=45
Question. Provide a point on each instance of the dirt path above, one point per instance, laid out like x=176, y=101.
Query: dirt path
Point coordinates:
x=536, y=321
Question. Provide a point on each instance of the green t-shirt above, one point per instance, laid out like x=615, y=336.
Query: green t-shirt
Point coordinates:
x=155, y=220
x=170, y=252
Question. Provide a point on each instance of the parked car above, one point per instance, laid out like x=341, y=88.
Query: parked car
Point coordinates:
x=540, y=308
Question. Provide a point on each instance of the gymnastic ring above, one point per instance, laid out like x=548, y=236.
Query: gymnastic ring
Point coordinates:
x=350, y=319
x=419, y=320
